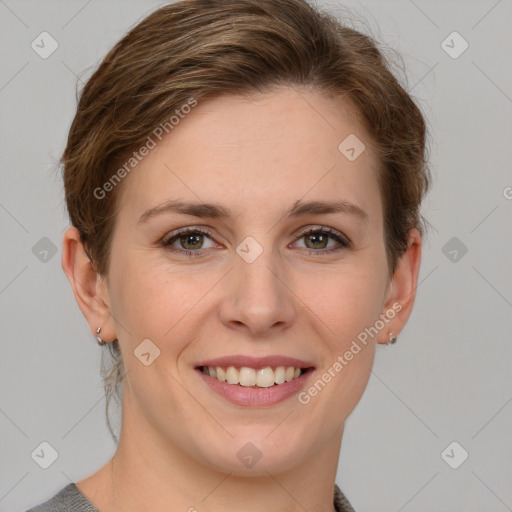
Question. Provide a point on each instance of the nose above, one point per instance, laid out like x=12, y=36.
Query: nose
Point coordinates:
x=258, y=299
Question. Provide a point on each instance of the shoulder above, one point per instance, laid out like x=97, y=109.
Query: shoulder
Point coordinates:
x=68, y=499
x=341, y=503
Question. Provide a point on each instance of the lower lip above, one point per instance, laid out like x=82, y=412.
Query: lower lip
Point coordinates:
x=256, y=397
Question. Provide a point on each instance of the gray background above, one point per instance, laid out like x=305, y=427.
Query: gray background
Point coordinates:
x=448, y=378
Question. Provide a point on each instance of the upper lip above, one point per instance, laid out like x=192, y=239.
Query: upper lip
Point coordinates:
x=256, y=362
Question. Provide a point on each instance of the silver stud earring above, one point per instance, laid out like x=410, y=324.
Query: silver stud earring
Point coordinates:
x=392, y=339
x=100, y=341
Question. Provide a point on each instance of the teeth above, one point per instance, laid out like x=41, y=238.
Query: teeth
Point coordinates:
x=280, y=375
x=265, y=377
x=249, y=377
x=232, y=375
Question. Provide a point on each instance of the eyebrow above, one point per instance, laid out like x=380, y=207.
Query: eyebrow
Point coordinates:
x=216, y=211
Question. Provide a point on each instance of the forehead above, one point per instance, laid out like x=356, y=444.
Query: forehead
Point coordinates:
x=253, y=153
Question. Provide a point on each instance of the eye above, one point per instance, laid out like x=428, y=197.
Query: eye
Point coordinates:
x=189, y=239
x=318, y=238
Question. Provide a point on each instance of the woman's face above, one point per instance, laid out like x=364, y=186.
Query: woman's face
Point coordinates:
x=256, y=286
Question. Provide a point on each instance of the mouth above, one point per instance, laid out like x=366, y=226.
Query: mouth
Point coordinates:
x=255, y=381
x=248, y=377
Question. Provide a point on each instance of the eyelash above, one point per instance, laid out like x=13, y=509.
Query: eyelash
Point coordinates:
x=343, y=241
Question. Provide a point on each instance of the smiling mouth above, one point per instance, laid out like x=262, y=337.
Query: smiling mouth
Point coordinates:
x=244, y=376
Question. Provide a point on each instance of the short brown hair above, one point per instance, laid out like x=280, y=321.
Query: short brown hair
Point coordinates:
x=205, y=48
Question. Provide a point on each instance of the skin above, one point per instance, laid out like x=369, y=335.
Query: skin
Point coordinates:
x=179, y=440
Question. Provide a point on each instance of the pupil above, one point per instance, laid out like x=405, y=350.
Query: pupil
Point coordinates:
x=185, y=240
x=317, y=236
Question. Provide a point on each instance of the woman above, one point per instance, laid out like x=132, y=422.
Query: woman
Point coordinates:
x=244, y=180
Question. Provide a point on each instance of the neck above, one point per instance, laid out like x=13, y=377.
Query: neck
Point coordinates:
x=148, y=473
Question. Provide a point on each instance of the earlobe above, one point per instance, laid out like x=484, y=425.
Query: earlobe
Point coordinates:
x=88, y=286
x=403, y=288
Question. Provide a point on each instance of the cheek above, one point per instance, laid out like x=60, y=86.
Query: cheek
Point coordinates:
x=350, y=383
x=346, y=306
x=346, y=300
x=154, y=300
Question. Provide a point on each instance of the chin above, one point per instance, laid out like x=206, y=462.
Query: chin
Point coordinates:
x=257, y=451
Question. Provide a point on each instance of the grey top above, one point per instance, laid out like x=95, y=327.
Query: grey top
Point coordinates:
x=70, y=499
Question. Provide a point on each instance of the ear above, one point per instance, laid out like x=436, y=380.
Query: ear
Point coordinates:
x=402, y=288
x=90, y=289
